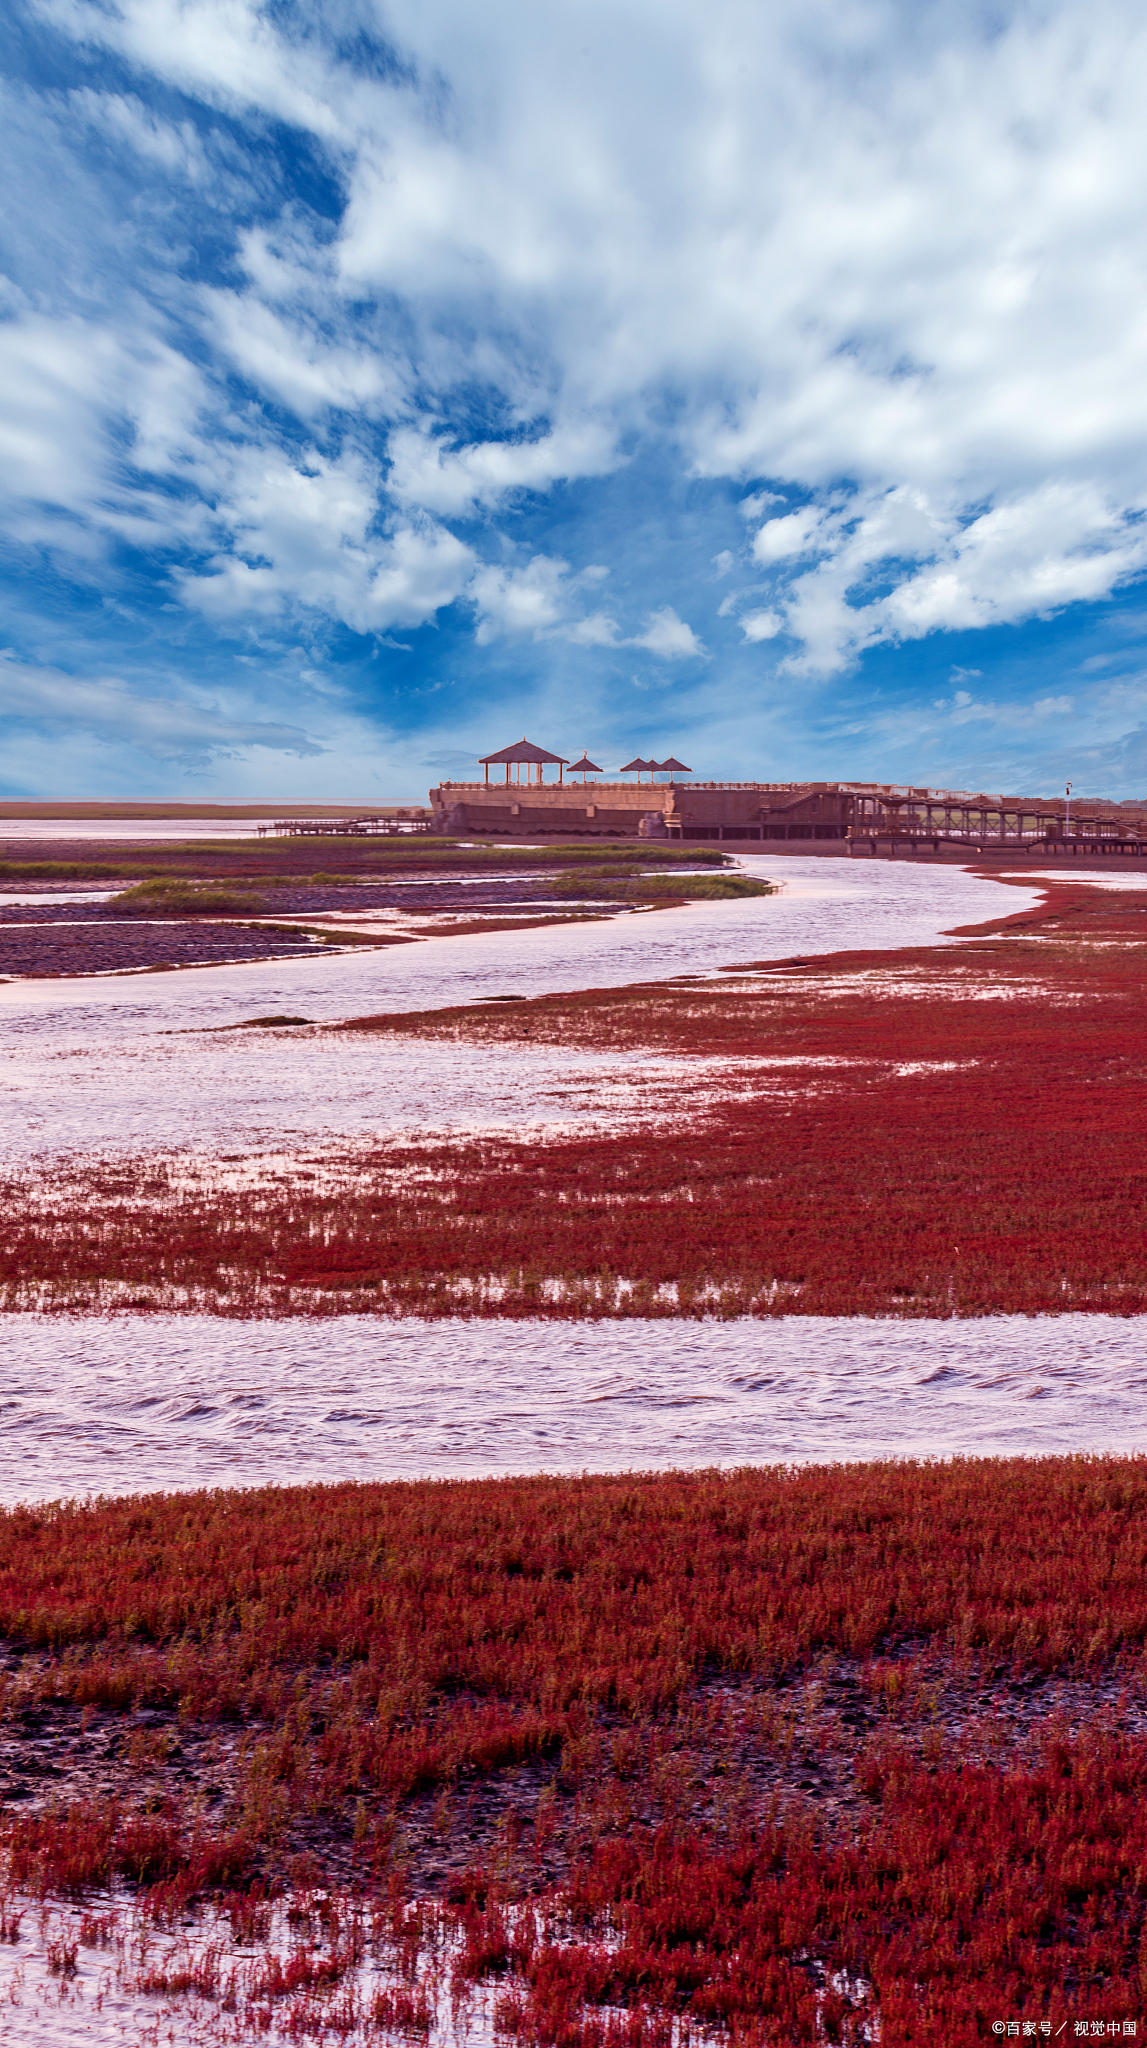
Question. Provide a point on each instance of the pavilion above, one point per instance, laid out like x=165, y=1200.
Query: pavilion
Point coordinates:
x=525, y=753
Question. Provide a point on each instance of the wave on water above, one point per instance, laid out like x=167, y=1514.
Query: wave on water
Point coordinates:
x=135, y=1403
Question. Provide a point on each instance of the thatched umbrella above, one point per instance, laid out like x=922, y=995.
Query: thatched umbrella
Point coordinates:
x=585, y=767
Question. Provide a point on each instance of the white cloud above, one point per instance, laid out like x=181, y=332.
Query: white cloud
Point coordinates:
x=123, y=118
x=540, y=599
x=78, y=403
x=796, y=533
x=304, y=536
x=753, y=506
x=1052, y=547
x=1055, y=545
x=887, y=258
x=99, y=426
x=597, y=629
x=529, y=600
x=669, y=636
x=222, y=50
x=57, y=378
x=762, y=625
x=964, y=709
x=451, y=481
x=296, y=364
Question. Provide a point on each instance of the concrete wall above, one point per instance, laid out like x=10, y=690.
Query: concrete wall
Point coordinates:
x=741, y=812
x=532, y=810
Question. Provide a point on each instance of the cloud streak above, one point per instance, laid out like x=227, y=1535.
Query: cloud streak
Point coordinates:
x=168, y=727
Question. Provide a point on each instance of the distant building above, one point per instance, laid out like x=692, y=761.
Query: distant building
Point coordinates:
x=829, y=817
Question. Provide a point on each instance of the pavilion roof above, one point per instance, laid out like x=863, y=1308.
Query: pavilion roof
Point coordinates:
x=524, y=751
x=585, y=763
x=638, y=764
x=671, y=764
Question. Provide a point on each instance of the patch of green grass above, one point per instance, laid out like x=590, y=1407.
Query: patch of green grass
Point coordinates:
x=188, y=899
x=590, y=883
x=715, y=887
x=633, y=853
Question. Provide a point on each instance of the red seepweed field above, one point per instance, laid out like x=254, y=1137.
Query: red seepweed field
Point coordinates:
x=943, y=1132
x=765, y=1757
x=777, y=1756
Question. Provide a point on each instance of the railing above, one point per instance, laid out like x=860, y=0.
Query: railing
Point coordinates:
x=560, y=788
x=1086, y=833
x=344, y=828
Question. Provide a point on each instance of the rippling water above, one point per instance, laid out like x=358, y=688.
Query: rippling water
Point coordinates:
x=137, y=1402
x=98, y=2006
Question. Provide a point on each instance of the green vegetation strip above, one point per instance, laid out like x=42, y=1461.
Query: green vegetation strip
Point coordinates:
x=73, y=870
x=282, y=862
x=187, y=899
x=587, y=884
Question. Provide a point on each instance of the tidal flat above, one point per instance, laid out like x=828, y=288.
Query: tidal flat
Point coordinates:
x=516, y=1524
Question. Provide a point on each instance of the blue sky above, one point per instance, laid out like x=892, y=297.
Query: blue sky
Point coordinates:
x=764, y=384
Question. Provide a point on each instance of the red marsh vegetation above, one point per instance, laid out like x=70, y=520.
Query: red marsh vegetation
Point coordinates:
x=779, y=1756
x=939, y=1132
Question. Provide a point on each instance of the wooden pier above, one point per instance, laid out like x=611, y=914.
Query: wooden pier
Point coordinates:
x=401, y=827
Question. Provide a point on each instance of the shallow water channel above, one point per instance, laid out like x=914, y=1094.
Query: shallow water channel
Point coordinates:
x=130, y=1403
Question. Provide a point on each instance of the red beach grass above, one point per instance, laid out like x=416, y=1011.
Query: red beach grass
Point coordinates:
x=780, y=1754
x=768, y=1757
x=955, y=1133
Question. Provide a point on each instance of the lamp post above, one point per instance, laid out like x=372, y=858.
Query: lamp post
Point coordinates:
x=1067, y=814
